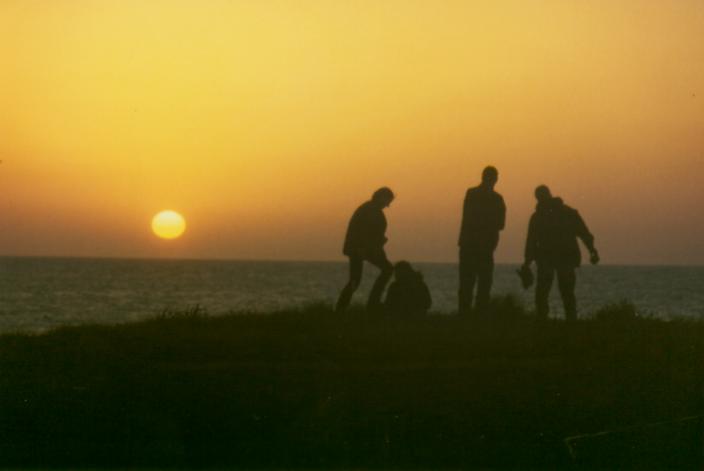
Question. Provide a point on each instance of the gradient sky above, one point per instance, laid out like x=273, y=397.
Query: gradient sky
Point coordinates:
x=266, y=123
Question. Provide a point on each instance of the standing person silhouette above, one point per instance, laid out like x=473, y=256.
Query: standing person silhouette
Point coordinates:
x=365, y=239
x=552, y=243
x=483, y=216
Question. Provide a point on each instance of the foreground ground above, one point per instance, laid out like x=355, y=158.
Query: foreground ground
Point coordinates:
x=312, y=389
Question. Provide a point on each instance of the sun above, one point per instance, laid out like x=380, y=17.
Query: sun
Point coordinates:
x=168, y=224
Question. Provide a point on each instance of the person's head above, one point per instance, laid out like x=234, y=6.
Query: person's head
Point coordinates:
x=383, y=196
x=490, y=176
x=542, y=194
x=403, y=270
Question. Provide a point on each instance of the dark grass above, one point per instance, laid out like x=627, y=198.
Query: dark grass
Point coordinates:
x=308, y=388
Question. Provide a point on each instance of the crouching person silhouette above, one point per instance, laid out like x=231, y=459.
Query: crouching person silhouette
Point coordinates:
x=408, y=295
x=365, y=239
x=552, y=243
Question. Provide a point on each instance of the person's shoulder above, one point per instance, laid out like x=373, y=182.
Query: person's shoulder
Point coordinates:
x=569, y=210
x=570, y=214
x=362, y=212
x=365, y=207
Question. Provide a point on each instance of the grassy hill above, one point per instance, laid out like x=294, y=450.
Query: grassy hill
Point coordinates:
x=310, y=388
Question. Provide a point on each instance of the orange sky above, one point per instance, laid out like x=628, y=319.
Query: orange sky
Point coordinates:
x=266, y=123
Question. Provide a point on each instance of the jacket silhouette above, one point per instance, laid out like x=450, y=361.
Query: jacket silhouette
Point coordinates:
x=552, y=243
x=483, y=216
x=552, y=234
x=408, y=295
x=366, y=230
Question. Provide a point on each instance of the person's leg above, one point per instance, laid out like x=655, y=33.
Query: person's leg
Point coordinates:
x=546, y=273
x=379, y=260
x=468, y=277
x=486, y=277
x=566, y=282
x=355, y=278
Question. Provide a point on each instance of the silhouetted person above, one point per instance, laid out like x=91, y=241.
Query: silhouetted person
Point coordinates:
x=552, y=243
x=365, y=239
x=483, y=216
x=408, y=295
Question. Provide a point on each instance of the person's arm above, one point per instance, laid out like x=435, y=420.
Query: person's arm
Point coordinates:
x=531, y=243
x=502, y=214
x=587, y=238
x=371, y=225
x=465, y=217
x=356, y=237
x=377, y=230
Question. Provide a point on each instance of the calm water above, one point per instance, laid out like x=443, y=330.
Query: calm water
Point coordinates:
x=41, y=293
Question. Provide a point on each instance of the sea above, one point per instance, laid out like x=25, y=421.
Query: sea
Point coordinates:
x=39, y=294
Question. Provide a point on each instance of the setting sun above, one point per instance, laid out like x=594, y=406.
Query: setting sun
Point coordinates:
x=168, y=225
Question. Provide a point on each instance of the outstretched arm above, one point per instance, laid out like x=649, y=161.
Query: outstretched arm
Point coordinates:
x=586, y=237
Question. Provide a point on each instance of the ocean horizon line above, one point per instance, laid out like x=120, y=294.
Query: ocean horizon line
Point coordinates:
x=285, y=260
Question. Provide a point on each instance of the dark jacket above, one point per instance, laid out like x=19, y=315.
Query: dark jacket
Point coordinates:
x=366, y=230
x=553, y=232
x=483, y=216
x=408, y=297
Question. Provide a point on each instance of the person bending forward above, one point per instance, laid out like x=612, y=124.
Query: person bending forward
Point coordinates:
x=365, y=240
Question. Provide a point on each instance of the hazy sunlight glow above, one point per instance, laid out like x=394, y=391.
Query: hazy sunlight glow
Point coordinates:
x=269, y=122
